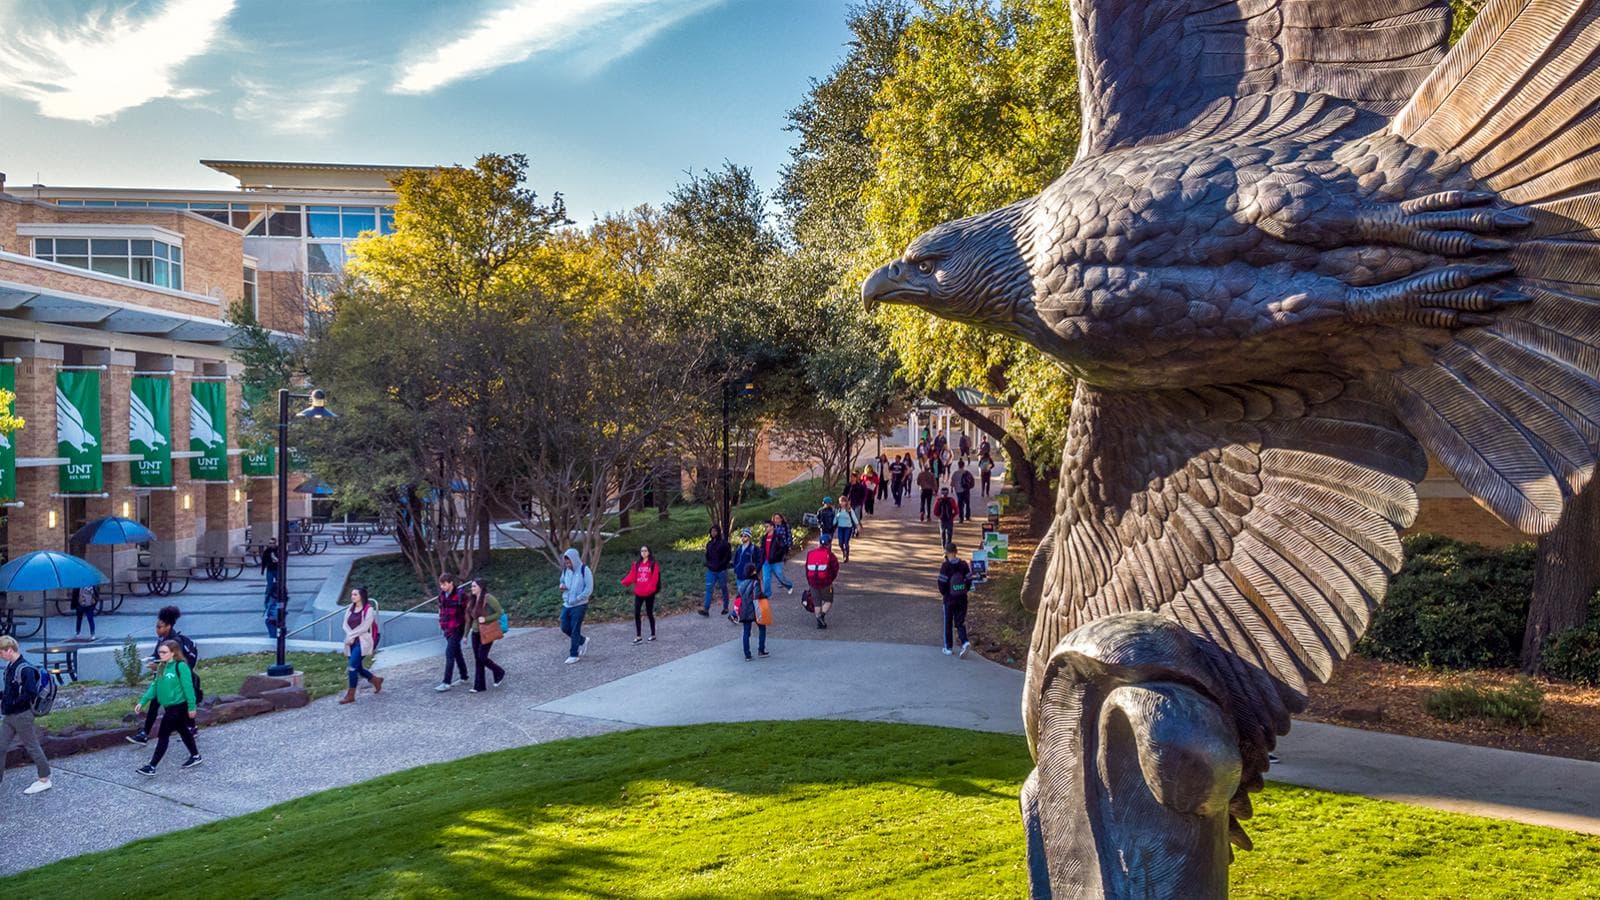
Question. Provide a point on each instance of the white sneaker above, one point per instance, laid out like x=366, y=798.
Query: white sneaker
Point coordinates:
x=38, y=787
x=442, y=686
x=965, y=646
x=584, y=647
x=571, y=660
x=948, y=651
x=790, y=588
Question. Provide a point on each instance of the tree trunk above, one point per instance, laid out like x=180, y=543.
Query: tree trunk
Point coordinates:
x=485, y=523
x=1041, y=500
x=1565, y=577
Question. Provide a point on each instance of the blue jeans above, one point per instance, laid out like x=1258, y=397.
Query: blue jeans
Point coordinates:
x=955, y=614
x=761, y=642
x=356, y=672
x=715, y=580
x=768, y=572
x=572, y=625
x=844, y=539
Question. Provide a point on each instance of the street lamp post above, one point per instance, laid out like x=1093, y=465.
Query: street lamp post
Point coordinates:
x=317, y=410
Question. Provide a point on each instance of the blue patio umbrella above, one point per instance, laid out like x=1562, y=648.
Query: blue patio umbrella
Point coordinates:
x=113, y=530
x=47, y=570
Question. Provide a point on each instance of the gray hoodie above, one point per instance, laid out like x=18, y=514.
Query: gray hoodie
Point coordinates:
x=578, y=580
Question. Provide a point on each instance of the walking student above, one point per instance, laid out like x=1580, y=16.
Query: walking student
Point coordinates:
x=955, y=583
x=173, y=688
x=897, y=478
x=944, y=509
x=964, y=482
x=482, y=608
x=827, y=519
x=166, y=630
x=822, y=567
x=746, y=554
x=870, y=480
x=269, y=568
x=23, y=681
x=750, y=612
x=985, y=470
x=775, y=546
x=453, y=624
x=645, y=576
x=847, y=524
x=719, y=558
x=84, y=601
x=927, y=483
x=883, y=475
x=360, y=623
x=577, y=586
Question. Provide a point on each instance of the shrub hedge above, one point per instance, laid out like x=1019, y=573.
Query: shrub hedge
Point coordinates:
x=1454, y=605
x=1574, y=654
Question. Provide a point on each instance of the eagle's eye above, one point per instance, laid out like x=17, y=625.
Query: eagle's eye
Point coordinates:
x=925, y=266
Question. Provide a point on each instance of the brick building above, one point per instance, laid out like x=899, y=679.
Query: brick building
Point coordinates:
x=105, y=288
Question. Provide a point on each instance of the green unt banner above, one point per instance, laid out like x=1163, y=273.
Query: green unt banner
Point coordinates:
x=259, y=461
x=208, y=430
x=8, y=447
x=150, y=430
x=78, y=430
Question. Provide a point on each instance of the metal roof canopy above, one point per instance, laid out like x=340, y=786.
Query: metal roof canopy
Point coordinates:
x=34, y=304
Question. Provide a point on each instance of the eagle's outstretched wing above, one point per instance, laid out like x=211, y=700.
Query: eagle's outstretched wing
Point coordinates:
x=1147, y=69
x=1262, y=517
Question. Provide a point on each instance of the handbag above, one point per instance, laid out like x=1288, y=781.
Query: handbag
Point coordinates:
x=490, y=631
x=807, y=602
x=763, y=611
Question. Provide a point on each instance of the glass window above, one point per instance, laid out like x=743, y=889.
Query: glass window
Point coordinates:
x=111, y=265
x=175, y=253
x=198, y=206
x=250, y=288
x=241, y=218
x=81, y=262
x=358, y=219
x=69, y=202
x=164, y=204
x=163, y=275
x=386, y=221
x=142, y=248
x=43, y=247
x=177, y=277
x=322, y=221
x=103, y=247
x=74, y=246
x=101, y=203
x=216, y=215
x=137, y=204
x=144, y=269
x=325, y=258
x=284, y=224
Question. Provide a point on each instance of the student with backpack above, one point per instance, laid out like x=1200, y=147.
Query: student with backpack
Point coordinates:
x=927, y=483
x=360, y=642
x=25, y=684
x=173, y=688
x=453, y=625
x=945, y=511
x=827, y=519
x=822, y=567
x=750, y=599
x=577, y=586
x=964, y=483
x=846, y=524
x=955, y=582
x=645, y=576
x=719, y=558
x=167, y=630
x=487, y=620
x=774, y=547
x=745, y=555
x=84, y=601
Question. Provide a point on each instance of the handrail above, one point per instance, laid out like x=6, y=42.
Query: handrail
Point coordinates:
x=319, y=620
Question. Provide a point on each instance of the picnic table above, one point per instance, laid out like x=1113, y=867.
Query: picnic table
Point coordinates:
x=10, y=615
x=67, y=655
x=157, y=581
x=219, y=566
x=306, y=544
x=352, y=533
x=108, y=602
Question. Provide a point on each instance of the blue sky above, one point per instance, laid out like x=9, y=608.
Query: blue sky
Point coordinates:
x=612, y=100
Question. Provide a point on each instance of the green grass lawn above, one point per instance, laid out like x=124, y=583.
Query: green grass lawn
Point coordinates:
x=526, y=583
x=324, y=672
x=802, y=809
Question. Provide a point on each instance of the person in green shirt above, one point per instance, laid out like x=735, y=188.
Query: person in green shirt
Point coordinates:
x=173, y=688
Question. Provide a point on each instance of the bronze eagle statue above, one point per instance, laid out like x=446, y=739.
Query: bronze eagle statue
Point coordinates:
x=1303, y=245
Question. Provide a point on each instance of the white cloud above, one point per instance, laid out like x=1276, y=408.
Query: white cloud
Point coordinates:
x=602, y=30
x=91, y=70
x=298, y=109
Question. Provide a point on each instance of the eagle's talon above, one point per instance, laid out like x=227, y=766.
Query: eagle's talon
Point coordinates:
x=1448, y=297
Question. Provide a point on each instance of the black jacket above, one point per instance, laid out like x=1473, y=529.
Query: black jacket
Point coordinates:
x=775, y=545
x=269, y=558
x=22, y=685
x=719, y=554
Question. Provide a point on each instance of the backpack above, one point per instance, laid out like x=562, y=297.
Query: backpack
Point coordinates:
x=193, y=652
x=45, y=698
x=826, y=517
x=966, y=480
x=375, y=635
x=958, y=584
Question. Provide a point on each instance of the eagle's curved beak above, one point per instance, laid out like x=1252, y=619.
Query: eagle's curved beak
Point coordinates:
x=887, y=284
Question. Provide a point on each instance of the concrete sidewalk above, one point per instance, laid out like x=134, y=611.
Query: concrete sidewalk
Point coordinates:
x=878, y=661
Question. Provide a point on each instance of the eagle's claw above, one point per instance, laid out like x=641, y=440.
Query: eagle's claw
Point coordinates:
x=1454, y=296
x=1448, y=223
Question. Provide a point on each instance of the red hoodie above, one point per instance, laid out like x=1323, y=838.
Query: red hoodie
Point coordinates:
x=645, y=578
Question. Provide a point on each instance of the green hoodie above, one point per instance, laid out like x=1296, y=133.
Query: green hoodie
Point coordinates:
x=174, y=685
